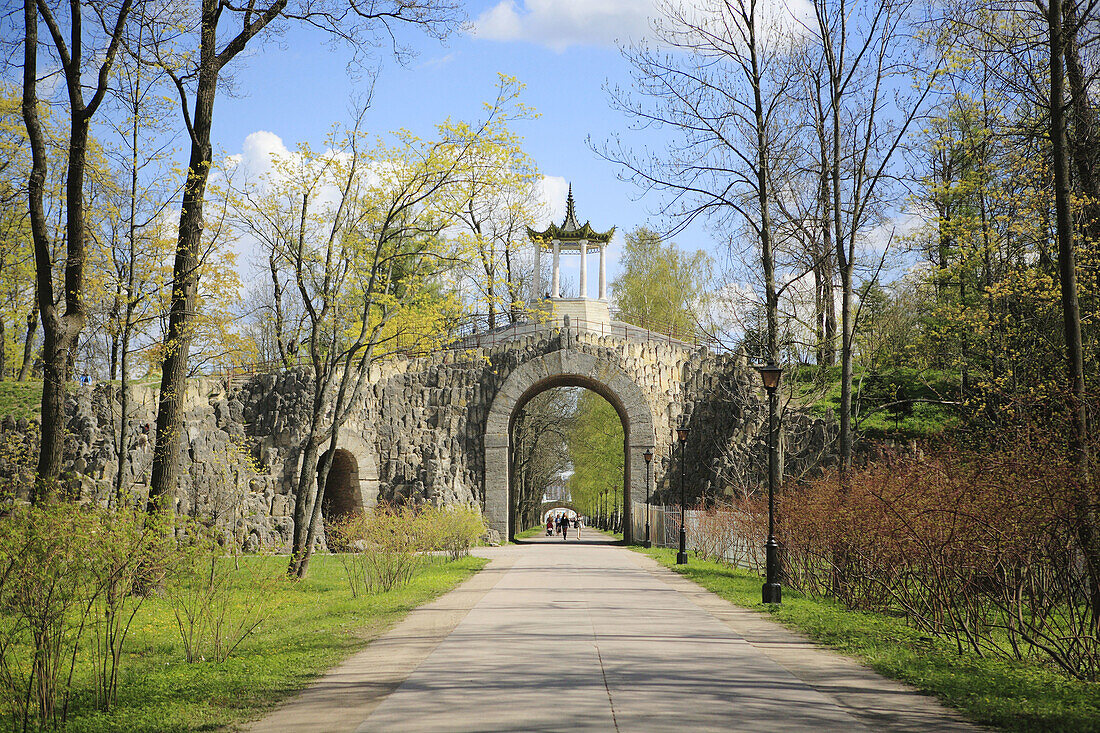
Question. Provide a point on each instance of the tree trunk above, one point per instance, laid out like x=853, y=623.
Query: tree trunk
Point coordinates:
x=28, y=345
x=844, y=264
x=303, y=505
x=185, y=281
x=1088, y=525
x=56, y=329
x=112, y=357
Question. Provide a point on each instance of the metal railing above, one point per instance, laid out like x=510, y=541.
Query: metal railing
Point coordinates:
x=472, y=331
x=736, y=548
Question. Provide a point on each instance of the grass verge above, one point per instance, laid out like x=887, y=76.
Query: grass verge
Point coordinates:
x=316, y=625
x=1016, y=696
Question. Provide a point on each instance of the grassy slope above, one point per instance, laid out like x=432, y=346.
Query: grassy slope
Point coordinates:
x=20, y=399
x=870, y=390
x=317, y=624
x=1017, y=696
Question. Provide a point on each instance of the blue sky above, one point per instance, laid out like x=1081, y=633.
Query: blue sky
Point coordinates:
x=563, y=50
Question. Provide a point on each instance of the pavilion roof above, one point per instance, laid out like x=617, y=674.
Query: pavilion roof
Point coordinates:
x=570, y=230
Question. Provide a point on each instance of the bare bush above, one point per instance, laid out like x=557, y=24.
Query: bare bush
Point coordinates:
x=980, y=548
x=217, y=603
x=734, y=533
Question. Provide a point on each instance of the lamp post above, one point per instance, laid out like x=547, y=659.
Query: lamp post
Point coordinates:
x=772, y=592
x=648, y=456
x=682, y=556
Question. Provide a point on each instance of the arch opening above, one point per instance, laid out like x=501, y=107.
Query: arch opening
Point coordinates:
x=567, y=456
x=565, y=368
x=559, y=510
x=342, y=495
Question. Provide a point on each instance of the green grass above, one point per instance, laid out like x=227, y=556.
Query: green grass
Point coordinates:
x=1016, y=696
x=316, y=625
x=874, y=389
x=20, y=399
x=533, y=532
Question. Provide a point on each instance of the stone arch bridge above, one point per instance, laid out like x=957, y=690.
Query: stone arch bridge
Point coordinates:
x=437, y=428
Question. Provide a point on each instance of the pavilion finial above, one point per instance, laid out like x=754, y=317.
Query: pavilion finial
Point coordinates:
x=570, y=223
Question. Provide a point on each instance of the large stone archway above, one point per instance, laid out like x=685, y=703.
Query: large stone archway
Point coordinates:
x=564, y=368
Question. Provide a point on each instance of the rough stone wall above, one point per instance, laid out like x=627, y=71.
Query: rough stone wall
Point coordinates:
x=418, y=431
x=431, y=416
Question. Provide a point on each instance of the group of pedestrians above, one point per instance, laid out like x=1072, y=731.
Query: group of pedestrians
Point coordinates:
x=561, y=524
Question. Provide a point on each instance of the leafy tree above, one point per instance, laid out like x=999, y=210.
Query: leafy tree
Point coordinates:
x=596, y=450
x=195, y=50
x=495, y=204
x=357, y=232
x=16, y=253
x=662, y=288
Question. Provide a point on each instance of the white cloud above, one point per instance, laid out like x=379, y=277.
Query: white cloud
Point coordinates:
x=888, y=233
x=559, y=24
x=552, y=191
x=438, y=61
x=254, y=160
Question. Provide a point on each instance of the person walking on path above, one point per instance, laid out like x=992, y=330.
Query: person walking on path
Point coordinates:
x=564, y=528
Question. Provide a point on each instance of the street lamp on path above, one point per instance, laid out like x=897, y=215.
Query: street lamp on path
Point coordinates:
x=648, y=455
x=772, y=591
x=682, y=556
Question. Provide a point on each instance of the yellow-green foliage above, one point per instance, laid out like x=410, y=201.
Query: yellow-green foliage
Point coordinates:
x=84, y=644
x=20, y=399
x=596, y=446
x=382, y=549
x=69, y=589
x=451, y=529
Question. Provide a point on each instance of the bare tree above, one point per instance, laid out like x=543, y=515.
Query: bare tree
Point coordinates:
x=862, y=46
x=719, y=94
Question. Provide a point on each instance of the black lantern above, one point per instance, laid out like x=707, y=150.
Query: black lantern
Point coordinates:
x=682, y=433
x=648, y=456
x=772, y=591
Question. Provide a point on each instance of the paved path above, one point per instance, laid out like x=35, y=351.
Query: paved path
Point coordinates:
x=585, y=636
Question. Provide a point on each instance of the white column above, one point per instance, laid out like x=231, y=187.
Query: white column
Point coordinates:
x=555, y=282
x=536, y=278
x=603, y=271
x=584, y=268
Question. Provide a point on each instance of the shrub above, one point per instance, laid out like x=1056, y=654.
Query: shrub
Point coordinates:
x=981, y=548
x=451, y=529
x=64, y=571
x=200, y=588
x=734, y=533
x=384, y=547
